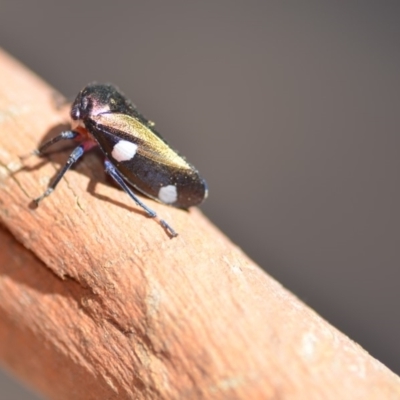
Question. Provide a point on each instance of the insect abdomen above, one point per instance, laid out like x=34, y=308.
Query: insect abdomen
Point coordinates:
x=177, y=187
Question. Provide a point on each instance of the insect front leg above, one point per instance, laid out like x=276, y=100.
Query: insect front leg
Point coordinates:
x=114, y=173
x=67, y=135
x=73, y=158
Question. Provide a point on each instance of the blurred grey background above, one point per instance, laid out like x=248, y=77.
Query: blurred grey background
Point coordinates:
x=290, y=110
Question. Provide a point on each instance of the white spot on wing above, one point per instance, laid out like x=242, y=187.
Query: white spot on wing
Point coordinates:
x=124, y=151
x=168, y=194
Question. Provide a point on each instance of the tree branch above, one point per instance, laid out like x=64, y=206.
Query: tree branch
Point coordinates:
x=97, y=302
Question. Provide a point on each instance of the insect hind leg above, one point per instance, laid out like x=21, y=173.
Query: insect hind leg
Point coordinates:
x=114, y=173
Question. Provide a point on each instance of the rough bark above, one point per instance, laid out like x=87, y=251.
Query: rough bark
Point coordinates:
x=97, y=302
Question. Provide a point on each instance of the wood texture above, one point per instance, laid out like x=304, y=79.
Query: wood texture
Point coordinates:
x=96, y=302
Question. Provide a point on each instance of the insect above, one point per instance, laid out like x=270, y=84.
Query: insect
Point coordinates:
x=135, y=153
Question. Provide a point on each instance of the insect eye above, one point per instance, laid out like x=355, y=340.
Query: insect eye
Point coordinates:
x=75, y=113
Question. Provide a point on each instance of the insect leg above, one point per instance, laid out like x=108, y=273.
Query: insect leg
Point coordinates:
x=113, y=172
x=67, y=135
x=75, y=155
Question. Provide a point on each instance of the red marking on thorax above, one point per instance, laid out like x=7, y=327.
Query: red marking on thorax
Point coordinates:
x=85, y=138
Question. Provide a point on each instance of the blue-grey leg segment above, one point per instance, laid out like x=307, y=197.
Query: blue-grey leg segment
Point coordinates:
x=67, y=135
x=73, y=158
x=114, y=173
